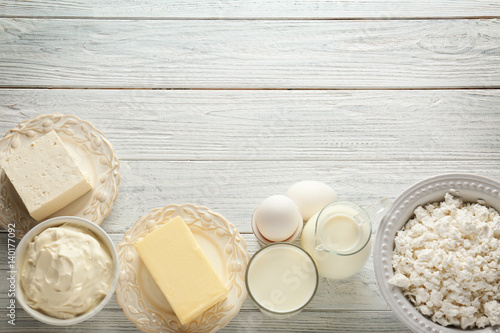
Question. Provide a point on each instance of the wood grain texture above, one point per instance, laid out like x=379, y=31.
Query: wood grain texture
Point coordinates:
x=113, y=320
x=208, y=147
x=277, y=54
x=234, y=189
x=360, y=292
x=230, y=134
x=251, y=9
x=436, y=125
x=342, y=300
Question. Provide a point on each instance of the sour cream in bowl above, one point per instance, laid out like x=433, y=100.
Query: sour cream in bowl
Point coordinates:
x=66, y=270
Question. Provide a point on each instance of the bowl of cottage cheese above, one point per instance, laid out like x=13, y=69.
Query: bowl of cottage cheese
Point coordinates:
x=66, y=270
x=437, y=255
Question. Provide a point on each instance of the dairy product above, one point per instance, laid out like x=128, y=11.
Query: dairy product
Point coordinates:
x=281, y=278
x=342, y=233
x=66, y=271
x=339, y=240
x=181, y=269
x=45, y=175
x=446, y=261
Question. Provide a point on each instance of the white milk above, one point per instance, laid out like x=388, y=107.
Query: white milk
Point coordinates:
x=342, y=233
x=343, y=240
x=281, y=278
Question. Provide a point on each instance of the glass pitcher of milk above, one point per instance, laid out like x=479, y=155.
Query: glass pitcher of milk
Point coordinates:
x=338, y=238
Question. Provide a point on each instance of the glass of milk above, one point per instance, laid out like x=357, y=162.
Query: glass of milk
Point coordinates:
x=281, y=279
x=339, y=237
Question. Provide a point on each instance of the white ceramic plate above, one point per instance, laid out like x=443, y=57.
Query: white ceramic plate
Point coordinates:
x=141, y=298
x=91, y=151
x=470, y=188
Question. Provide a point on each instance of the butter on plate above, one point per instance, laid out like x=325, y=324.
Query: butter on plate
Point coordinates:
x=181, y=270
x=45, y=175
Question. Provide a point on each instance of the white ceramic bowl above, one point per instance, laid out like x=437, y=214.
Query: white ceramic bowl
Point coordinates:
x=20, y=253
x=471, y=188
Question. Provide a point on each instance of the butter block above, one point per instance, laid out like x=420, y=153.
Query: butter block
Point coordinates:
x=45, y=175
x=181, y=270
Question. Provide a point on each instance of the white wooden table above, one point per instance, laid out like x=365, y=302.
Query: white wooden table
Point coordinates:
x=223, y=103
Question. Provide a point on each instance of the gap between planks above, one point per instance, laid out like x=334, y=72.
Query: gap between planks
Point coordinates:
x=264, y=18
x=494, y=87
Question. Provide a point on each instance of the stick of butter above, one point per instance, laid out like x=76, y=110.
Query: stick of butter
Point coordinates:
x=181, y=269
x=45, y=175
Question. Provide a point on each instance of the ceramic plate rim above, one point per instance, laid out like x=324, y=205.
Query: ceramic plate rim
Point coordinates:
x=129, y=239
x=102, y=197
x=384, y=239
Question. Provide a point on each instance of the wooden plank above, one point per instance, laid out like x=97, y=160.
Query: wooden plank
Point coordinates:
x=311, y=54
x=359, y=292
x=358, y=295
x=114, y=320
x=444, y=125
x=234, y=189
x=251, y=9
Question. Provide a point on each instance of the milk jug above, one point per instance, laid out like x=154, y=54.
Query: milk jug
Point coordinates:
x=339, y=237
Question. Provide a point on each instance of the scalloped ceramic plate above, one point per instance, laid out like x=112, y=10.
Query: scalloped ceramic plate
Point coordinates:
x=141, y=298
x=470, y=188
x=91, y=151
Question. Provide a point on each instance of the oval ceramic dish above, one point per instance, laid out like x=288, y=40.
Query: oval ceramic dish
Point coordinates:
x=470, y=188
x=92, y=153
x=140, y=297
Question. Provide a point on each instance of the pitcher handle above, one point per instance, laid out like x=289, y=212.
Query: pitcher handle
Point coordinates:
x=378, y=209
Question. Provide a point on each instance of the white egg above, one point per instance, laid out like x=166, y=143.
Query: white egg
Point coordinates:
x=311, y=196
x=277, y=218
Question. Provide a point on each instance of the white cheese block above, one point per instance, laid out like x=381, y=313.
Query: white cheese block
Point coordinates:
x=45, y=175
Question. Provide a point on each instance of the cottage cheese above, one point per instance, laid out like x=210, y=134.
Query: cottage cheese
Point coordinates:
x=446, y=261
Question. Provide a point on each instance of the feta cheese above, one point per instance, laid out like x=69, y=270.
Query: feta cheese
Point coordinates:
x=45, y=175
